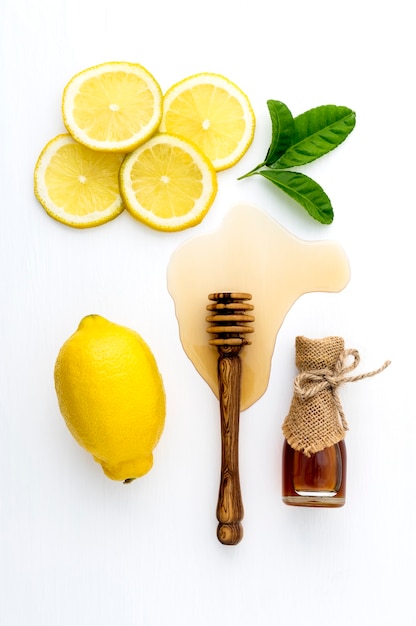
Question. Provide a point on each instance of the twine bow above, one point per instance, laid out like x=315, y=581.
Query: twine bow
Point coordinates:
x=309, y=383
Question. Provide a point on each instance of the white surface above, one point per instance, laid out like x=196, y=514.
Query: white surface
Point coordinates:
x=77, y=549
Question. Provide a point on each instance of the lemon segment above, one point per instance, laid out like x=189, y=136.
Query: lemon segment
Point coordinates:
x=214, y=113
x=168, y=183
x=78, y=186
x=114, y=106
x=111, y=395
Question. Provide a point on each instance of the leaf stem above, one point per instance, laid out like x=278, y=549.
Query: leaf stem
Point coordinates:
x=251, y=172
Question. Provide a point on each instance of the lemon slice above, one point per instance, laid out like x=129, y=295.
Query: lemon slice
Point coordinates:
x=112, y=107
x=168, y=183
x=78, y=186
x=214, y=113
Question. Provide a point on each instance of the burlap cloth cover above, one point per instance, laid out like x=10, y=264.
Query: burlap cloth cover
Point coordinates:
x=314, y=423
x=316, y=419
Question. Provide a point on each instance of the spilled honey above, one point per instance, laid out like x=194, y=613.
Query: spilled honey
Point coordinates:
x=253, y=253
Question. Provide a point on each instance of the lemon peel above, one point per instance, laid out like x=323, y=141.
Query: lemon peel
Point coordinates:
x=111, y=395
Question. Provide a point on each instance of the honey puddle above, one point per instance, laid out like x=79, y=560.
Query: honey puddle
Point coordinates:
x=251, y=253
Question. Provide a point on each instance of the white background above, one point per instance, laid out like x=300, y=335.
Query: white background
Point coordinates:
x=78, y=549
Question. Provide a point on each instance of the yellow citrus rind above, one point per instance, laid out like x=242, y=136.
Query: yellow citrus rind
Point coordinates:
x=111, y=395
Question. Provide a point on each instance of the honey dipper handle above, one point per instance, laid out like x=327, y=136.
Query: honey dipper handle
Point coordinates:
x=230, y=509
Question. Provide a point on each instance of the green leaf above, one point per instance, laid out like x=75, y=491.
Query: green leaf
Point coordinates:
x=305, y=191
x=317, y=132
x=282, y=130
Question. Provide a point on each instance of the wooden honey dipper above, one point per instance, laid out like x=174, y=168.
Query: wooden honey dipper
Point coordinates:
x=229, y=319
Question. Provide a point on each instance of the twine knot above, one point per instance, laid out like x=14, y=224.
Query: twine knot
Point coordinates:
x=311, y=382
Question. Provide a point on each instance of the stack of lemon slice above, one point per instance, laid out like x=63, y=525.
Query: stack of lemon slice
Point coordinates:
x=128, y=146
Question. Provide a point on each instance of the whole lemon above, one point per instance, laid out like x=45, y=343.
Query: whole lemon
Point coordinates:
x=111, y=395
